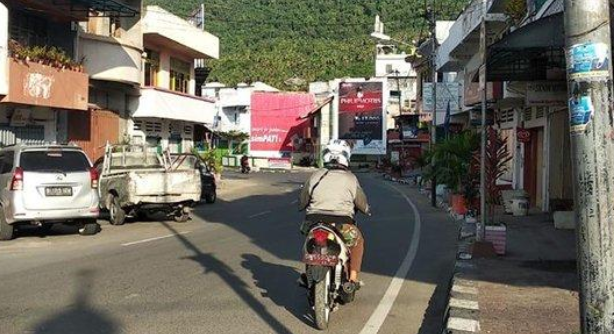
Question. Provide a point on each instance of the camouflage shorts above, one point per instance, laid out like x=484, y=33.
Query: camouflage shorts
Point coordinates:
x=350, y=234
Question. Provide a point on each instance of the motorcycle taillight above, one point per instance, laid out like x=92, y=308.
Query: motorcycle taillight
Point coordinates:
x=320, y=237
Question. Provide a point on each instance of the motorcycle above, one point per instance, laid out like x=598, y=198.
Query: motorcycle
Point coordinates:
x=326, y=277
x=245, y=168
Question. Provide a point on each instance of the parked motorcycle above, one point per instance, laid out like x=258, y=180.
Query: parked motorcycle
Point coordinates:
x=326, y=277
x=245, y=168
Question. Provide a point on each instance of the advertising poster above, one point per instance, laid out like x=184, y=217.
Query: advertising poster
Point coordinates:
x=589, y=60
x=580, y=107
x=361, y=116
x=275, y=121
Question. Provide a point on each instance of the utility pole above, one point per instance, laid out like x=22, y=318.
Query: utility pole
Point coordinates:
x=481, y=225
x=589, y=74
x=433, y=24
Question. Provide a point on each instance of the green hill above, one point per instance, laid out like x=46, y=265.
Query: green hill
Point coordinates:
x=275, y=40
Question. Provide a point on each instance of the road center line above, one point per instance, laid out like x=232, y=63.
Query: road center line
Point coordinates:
x=260, y=214
x=378, y=317
x=153, y=239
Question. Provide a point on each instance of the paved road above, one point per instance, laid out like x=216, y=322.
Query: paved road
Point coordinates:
x=230, y=270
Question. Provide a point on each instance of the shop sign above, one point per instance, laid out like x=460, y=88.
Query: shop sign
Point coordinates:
x=447, y=92
x=523, y=135
x=546, y=94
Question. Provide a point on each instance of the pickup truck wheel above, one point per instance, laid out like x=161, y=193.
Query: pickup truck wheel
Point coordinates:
x=7, y=230
x=210, y=198
x=89, y=227
x=117, y=215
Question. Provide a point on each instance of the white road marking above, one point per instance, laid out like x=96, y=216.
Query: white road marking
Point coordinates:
x=153, y=239
x=378, y=317
x=294, y=202
x=260, y=214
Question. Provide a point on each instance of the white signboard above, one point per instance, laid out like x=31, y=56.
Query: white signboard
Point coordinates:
x=446, y=92
x=546, y=94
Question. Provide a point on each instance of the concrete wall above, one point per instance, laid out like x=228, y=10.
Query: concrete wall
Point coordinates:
x=113, y=58
x=397, y=63
x=46, y=117
x=228, y=119
x=160, y=21
x=110, y=59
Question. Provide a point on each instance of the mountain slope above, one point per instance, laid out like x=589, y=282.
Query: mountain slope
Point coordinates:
x=275, y=40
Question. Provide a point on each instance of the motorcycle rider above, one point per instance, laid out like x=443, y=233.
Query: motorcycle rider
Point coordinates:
x=332, y=195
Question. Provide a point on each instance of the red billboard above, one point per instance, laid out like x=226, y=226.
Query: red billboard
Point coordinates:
x=361, y=116
x=275, y=120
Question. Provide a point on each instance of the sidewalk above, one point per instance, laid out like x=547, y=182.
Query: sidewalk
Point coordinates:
x=533, y=289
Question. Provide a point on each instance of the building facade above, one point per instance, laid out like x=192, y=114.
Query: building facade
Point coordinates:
x=41, y=78
x=168, y=113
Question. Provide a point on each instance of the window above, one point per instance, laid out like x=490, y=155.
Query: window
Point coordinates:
x=28, y=29
x=54, y=161
x=388, y=68
x=152, y=66
x=180, y=76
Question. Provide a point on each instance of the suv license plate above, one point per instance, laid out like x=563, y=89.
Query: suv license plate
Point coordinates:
x=58, y=191
x=320, y=260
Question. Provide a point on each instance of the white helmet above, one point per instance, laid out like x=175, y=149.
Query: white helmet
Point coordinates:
x=337, y=152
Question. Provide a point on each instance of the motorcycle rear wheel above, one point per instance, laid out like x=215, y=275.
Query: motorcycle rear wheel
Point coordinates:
x=321, y=302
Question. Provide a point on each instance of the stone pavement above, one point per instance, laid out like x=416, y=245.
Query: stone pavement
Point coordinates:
x=534, y=288
x=531, y=290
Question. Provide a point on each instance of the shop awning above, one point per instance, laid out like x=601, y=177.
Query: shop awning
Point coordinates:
x=97, y=7
x=160, y=103
x=528, y=53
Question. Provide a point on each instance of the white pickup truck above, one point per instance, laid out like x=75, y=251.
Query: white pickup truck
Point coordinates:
x=136, y=180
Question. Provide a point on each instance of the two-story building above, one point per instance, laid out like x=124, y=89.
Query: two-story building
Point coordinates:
x=111, y=46
x=41, y=77
x=168, y=113
x=391, y=65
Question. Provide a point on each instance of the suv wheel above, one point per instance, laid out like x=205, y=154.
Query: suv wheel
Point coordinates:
x=7, y=231
x=117, y=215
x=89, y=227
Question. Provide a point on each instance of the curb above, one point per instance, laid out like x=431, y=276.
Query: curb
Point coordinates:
x=462, y=314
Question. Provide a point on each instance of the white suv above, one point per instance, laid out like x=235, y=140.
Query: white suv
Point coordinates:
x=43, y=185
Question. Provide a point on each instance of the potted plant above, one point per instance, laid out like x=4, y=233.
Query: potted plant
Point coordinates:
x=452, y=164
x=497, y=157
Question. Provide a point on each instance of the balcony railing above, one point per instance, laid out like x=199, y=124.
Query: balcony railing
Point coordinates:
x=34, y=83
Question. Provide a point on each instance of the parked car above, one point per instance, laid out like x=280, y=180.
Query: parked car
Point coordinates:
x=45, y=185
x=137, y=180
x=207, y=179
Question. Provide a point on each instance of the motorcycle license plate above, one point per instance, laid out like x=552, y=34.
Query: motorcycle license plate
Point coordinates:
x=320, y=259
